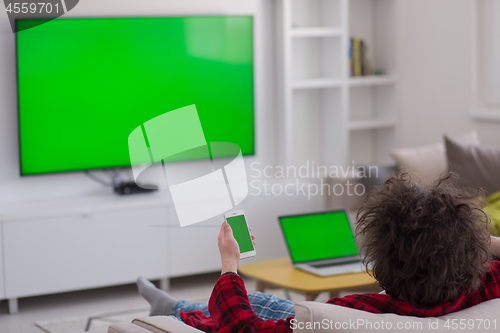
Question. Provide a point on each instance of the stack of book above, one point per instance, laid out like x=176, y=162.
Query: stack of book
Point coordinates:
x=359, y=64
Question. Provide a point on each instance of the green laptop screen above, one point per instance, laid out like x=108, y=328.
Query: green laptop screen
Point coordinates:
x=85, y=84
x=319, y=236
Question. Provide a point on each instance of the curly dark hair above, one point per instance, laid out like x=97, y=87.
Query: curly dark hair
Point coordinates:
x=425, y=244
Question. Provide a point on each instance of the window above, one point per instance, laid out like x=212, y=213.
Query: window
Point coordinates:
x=486, y=59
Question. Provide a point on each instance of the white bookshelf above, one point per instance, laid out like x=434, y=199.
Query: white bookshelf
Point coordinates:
x=316, y=32
x=316, y=83
x=326, y=116
x=371, y=80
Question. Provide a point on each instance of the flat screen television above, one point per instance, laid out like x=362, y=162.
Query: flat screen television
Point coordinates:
x=84, y=84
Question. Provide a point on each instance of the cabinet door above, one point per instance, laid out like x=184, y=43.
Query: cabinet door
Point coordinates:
x=193, y=249
x=2, y=285
x=56, y=255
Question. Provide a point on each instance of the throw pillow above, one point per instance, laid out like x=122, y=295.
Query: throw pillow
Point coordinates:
x=477, y=165
x=427, y=162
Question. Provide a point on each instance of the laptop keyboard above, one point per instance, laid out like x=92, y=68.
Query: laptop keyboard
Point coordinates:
x=335, y=263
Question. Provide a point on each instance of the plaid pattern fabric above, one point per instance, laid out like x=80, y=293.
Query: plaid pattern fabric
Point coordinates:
x=265, y=306
x=382, y=303
x=185, y=306
x=268, y=306
x=232, y=312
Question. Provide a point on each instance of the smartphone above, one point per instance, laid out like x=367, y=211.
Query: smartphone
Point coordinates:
x=236, y=219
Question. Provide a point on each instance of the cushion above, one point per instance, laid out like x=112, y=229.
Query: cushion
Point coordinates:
x=427, y=162
x=477, y=165
x=483, y=317
x=493, y=211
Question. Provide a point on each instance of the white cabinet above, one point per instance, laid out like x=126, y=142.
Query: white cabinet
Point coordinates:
x=2, y=288
x=79, y=252
x=193, y=249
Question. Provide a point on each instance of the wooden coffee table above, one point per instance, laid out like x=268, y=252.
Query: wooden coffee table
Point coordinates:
x=281, y=274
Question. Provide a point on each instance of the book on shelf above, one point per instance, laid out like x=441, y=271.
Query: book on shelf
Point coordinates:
x=351, y=57
x=358, y=62
x=356, y=57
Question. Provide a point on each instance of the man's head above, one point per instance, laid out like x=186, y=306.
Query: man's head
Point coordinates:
x=425, y=243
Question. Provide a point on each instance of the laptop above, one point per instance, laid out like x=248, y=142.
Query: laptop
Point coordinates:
x=322, y=243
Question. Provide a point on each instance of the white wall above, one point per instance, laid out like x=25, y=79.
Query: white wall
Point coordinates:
x=434, y=48
x=15, y=188
x=436, y=71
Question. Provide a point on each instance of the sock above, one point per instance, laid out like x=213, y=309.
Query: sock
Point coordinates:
x=162, y=304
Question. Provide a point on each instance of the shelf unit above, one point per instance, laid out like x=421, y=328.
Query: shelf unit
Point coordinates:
x=316, y=83
x=316, y=32
x=371, y=80
x=326, y=117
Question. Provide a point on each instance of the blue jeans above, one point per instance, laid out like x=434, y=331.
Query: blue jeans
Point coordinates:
x=265, y=306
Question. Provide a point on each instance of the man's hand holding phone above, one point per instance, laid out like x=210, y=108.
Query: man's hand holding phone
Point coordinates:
x=229, y=248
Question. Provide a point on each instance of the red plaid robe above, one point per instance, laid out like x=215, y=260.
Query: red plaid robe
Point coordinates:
x=232, y=312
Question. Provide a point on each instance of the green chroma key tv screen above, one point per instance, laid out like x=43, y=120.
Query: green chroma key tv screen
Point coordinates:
x=85, y=84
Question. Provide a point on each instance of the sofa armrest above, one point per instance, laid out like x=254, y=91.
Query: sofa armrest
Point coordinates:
x=156, y=324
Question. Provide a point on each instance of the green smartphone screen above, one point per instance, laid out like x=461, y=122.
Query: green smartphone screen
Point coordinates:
x=319, y=236
x=241, y=233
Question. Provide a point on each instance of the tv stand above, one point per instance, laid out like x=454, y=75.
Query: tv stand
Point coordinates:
x=90, y=241
x=101, y=239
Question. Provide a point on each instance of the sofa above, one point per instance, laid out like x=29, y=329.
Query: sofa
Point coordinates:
x=475, y=163
x=312, y=317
